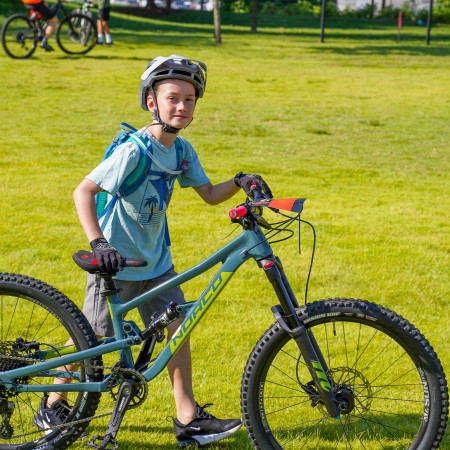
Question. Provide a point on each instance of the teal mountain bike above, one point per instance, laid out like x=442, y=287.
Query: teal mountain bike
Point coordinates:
x=333, y=374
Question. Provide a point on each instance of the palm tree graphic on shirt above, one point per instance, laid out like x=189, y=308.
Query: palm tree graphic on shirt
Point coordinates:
x=151, y=202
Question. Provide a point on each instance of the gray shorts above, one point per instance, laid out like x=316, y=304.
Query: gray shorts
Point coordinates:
x=96, y=308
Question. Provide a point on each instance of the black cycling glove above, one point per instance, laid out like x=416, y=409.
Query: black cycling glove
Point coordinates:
x=108, y=258
x=247, y=180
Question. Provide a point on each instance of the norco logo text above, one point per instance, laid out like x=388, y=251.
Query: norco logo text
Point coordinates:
x=199, y=310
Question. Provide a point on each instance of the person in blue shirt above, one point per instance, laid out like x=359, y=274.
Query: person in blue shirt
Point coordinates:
x=137, y=228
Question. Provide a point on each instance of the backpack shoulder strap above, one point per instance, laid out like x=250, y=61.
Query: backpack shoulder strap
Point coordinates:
x=179, y=148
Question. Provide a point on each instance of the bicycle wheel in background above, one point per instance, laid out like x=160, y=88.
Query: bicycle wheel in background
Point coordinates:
x=35, y=316
x=387, y=372
x=19, y=37
x=76, y=34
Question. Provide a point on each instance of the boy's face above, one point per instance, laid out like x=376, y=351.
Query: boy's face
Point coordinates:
x=176, y=102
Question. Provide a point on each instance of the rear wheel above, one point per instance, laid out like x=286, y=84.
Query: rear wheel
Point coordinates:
x=35, y=317
x=19, y=37
x=76, y=34
x=392, y=387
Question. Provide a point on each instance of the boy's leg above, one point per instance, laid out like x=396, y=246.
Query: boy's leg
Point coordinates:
x=180, y=372
x=193, y=424
x=56, y=396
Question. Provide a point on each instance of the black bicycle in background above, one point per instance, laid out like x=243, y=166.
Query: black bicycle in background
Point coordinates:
x=76, y=33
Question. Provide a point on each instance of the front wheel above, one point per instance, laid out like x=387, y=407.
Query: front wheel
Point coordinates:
x=36, y=323
x=76, y=34
x=379, y=365
x=19, y=37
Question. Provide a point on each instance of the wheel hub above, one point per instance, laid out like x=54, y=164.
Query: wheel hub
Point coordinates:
x=349, y=385
x=346, y=400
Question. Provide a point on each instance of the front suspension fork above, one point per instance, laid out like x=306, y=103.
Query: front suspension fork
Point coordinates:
x=286, y=317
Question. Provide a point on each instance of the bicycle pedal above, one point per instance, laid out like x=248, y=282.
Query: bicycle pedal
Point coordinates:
x=105, y=441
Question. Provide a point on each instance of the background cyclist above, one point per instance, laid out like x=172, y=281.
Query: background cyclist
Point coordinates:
x=52, y=21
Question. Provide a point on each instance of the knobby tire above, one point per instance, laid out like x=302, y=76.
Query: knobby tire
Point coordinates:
x=19, y=37
x=37, y=312
x=382, y=365
x=76, y=34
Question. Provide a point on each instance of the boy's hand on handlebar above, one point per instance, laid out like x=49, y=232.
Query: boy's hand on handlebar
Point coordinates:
x=247, y=181
x=108, y=258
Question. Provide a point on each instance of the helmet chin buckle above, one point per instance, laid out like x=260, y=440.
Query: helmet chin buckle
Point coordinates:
x=169, y=129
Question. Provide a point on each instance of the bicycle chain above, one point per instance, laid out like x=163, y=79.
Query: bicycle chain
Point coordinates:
x=141, y=399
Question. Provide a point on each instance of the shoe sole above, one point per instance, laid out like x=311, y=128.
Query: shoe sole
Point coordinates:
x=204, y=439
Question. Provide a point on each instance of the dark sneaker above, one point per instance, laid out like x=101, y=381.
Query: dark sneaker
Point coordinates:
x=204, y=429
x=51, y=416
x=47, y=47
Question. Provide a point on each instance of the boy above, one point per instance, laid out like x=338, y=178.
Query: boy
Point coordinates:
x=137, y=227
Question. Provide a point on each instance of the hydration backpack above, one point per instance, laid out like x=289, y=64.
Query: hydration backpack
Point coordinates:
x=142, y=170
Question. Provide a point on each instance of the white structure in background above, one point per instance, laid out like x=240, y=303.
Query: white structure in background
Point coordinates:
x=359, y=4
x=208, y=5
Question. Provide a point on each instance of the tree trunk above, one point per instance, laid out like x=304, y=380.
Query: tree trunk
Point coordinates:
x=168, y=3
x=217, y=33
x=254, y=22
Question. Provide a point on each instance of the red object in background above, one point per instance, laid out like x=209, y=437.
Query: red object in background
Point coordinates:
x=399, y=20
x=33, y=12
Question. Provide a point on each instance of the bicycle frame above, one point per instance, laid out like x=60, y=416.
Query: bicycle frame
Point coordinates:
x=232, y=255
x=249, y=244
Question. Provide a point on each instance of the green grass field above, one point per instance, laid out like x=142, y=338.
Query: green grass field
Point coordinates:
x=359, y=125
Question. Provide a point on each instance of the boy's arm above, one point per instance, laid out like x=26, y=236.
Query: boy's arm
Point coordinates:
x=84, y=197
x=218, y=193
x=108, y=258
x=213, y=194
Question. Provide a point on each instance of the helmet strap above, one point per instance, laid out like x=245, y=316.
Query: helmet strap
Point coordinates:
x=166, y=128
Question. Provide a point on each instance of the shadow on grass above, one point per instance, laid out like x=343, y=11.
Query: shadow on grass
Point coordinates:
x=237, y=440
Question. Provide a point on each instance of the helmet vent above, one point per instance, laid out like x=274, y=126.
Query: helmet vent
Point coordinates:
x=181, y=72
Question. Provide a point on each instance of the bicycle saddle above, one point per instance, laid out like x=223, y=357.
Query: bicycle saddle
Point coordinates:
x=87, y=261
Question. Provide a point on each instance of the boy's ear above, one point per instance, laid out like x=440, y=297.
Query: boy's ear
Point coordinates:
x=150, y=102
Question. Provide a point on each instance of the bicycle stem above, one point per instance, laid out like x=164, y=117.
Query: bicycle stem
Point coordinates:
x=287, y=318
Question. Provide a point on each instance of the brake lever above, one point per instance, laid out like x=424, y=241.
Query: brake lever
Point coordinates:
x=262, y=222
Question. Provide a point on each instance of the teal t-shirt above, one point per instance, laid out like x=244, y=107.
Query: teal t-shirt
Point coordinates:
x=137, y=225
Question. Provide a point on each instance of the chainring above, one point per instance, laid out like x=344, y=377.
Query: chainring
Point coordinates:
x=129, y=374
